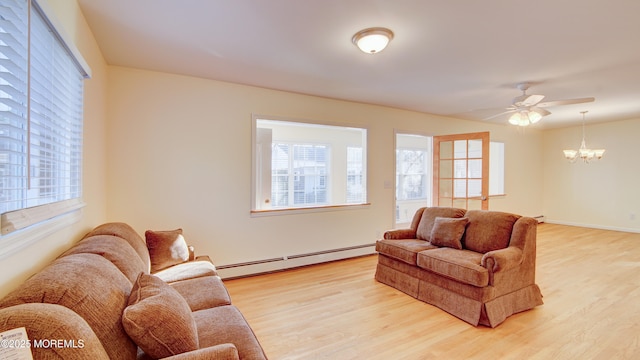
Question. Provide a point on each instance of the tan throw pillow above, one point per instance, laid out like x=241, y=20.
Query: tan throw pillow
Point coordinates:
x=425, y=227
x=166, y=248
x=159, y=319
x=448, y=232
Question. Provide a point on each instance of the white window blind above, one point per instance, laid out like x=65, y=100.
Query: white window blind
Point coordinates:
x=41, y=98
x=13, y=103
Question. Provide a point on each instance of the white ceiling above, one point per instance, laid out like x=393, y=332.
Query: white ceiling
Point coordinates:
x=448, y=57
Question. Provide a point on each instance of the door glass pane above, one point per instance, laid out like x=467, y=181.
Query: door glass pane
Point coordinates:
x=475, y=188
x=461, y=169
x=460, y=149
x=446, y=169
x=460, y=188
x=474, y=204
x=445, y=188
x=445, y=202
x=475, y=149
x=459, y=203
x=446, y=150
x=475, y=169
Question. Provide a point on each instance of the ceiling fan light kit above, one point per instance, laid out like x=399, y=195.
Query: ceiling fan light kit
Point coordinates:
x=583, y=152
x=372, y=40
x=525, y=118
x=529, y=109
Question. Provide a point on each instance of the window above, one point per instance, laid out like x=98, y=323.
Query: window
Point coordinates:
x=355, y=175
x=299, y=174
x=496, y=168
x=413, y=175
x=41, y=98
x=304, y=165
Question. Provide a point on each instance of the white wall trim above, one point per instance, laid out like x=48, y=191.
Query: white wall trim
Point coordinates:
x=18, y=240
x=292, y=261
x=592, y=226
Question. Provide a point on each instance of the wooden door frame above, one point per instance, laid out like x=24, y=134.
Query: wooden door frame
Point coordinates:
x=484, y=136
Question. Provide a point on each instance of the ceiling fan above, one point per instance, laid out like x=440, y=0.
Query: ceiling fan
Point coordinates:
x=529, y=109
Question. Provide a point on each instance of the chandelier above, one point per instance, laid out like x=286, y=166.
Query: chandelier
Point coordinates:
x=583, y=153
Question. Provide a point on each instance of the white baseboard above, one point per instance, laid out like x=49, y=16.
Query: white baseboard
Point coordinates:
x=593, y=226
x=292, y=261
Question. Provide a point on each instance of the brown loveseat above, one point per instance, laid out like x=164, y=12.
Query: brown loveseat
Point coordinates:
x=103, y=299
x=477, y=265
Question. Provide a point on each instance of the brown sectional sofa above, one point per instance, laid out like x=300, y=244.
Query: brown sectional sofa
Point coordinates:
x=101, y=291
x=477, y=265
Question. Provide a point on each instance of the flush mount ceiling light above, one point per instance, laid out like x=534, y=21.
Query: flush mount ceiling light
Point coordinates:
x=372, y=40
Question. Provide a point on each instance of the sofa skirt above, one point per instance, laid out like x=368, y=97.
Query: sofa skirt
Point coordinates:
x=477, y=306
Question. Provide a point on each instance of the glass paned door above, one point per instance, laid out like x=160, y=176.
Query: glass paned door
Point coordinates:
x=461, y=171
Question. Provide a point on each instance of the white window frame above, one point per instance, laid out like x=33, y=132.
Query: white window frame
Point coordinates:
x=409, y=206
x=17, y=225
x=337, y=178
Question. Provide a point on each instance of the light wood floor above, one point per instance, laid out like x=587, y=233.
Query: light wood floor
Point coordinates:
x=590, y=280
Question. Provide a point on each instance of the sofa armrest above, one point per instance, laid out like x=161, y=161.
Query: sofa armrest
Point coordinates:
x=218, y=352
x=400, y=234
x=502, y=260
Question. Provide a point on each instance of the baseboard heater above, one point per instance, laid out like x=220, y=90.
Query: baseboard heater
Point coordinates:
x=291, y=261
x=540, y=218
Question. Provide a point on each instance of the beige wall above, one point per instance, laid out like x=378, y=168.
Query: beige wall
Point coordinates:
x=18, y=266
x=170, y=151
x=180, y=156
x=603, y=194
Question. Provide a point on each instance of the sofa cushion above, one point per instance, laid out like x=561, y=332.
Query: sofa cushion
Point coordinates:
x=203, y=292
x=158, y=319
x=225, y=324
x=461, y=265
x=187, y=270
x=429, y=216
x=93, y=288
x=126, y=232
x=52, y=322
x=488, y=230
x=403, y=249
x=166, y=248
x=113, y=248
x=448, y=232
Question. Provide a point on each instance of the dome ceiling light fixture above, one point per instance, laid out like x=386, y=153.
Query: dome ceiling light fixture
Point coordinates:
x=372, y=40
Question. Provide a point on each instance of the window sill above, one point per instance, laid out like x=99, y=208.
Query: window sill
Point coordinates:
x=306, y=210
x=18, y=240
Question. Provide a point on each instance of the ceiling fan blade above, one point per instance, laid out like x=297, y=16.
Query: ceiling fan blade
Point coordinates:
x=530, y=100
x=541, y=111
x=509, y=111
x=566, y=102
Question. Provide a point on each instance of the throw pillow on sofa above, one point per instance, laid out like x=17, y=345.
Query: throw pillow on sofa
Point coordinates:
x=159, y=319
x=448, y=232
x=425, y=227
x=166, y=248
